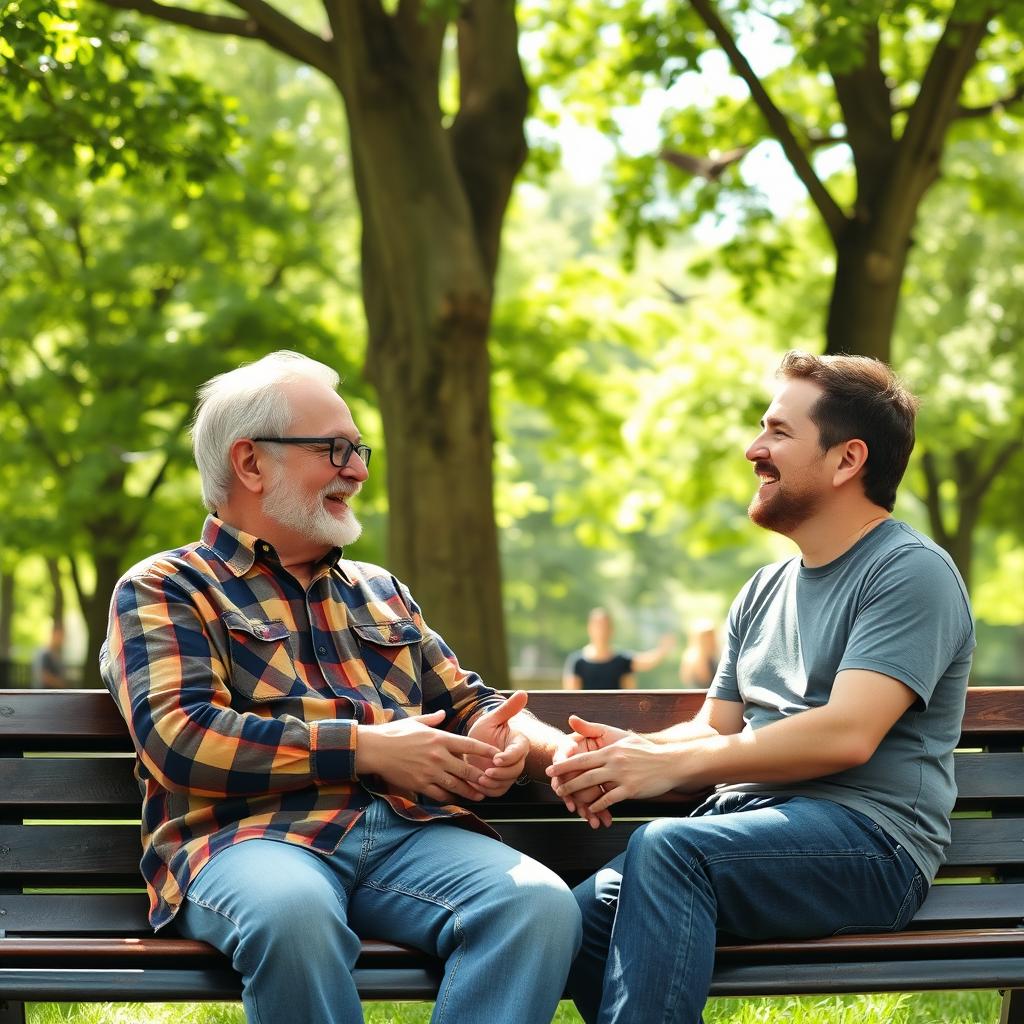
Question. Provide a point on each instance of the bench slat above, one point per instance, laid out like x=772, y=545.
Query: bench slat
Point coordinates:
x=894, y=946
x=28, y=914
x=125, y=984
x=411, y=983
x=106, y=787
x=965, y=905
x=946, y=906
x=44, y=787
x=60, y=717
x=773, y=979
x=38, y=717
x=566, y=845
x=989, y=777
x=743, y=979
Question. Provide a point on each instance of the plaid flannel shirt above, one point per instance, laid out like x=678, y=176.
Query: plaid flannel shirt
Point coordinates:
x=242, y=693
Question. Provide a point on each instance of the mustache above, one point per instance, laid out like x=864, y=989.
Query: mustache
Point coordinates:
x=345, y=488
x=767, y=468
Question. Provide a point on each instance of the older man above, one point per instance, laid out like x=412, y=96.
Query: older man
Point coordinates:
x=303, y=736
x=829, y=726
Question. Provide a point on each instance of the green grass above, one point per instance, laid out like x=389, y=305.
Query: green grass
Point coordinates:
x=927, y=1008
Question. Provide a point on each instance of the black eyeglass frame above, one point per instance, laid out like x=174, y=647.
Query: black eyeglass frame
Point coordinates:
x=334, y=443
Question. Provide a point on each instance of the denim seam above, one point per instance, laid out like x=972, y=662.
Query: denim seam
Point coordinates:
x=912, y=893
x=452, y=964
x=196, y=901
x=829, y=854
x=670, y=1014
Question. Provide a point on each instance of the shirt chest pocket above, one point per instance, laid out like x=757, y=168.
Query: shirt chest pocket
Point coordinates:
x=261, y=660
x=390, y=653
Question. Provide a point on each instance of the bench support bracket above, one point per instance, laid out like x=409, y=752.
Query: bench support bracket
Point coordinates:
x=11, y=1012
x=1012, y=1011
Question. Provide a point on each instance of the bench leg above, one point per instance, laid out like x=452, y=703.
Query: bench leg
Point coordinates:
x=1012, y=1011
x=11, y=1012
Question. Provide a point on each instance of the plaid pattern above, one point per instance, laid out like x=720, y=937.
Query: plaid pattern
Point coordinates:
x=241, y=692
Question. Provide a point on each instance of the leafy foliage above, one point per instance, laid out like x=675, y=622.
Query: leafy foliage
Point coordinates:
x=842, y=78
x=124, y=288
x=74, y=94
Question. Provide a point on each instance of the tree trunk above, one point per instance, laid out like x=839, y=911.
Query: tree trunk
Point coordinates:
x=974, y=470
x=95, y=607
x=865, y=296
x=872, y=250
x=433, y=200
x=6, y=612
x=57, y=583
x=893, y=176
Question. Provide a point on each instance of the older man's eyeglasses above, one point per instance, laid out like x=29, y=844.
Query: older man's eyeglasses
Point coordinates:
x=340, y=448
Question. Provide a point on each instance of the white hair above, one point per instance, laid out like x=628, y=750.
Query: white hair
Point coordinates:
x=247, y=402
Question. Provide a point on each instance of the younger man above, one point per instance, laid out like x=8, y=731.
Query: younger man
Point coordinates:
x=828, y=729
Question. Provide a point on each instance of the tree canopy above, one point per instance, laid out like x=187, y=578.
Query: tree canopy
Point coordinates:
x=886, y=83
x=140, y=254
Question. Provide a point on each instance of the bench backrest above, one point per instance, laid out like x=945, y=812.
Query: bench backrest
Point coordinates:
x=69, y=810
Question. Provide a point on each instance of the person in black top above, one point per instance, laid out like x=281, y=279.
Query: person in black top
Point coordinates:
x=598, y=666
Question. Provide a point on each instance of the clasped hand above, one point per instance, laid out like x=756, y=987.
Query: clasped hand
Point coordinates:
x=604, y=765
x=415, y=755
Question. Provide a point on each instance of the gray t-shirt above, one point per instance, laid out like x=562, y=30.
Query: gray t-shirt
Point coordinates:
x=895, y=604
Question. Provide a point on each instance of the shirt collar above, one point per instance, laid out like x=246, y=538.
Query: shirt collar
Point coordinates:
x=239, y=550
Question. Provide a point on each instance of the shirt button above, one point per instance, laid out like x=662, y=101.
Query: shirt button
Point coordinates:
x=321, y=650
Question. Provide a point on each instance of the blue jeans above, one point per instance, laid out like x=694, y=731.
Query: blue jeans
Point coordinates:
x=745, y=867
x=505, y=926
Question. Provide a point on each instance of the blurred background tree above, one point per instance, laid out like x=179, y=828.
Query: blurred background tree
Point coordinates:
x=631, y=329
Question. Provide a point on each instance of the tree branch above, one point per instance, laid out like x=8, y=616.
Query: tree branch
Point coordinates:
x=76, y=579
x=983, y=481
x=14, y=395
x=487, y=135
x=38, y=237
x=264, y=23
x=834, y=218
x=936, y=105
x=816, y=140
x=162, y=294
x=866, y=102
x=215, y=23
x=997, y=106
x=286, y=35
x=931, y=496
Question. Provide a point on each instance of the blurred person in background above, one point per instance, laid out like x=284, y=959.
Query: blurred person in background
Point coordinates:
x=699, y=660
x=599, y=666
x=48, y=671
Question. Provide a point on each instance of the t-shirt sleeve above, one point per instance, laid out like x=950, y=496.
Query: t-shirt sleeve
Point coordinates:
x=725, y=685
x=913, y=620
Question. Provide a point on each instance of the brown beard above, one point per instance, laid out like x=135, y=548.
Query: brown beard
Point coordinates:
x=783, y=512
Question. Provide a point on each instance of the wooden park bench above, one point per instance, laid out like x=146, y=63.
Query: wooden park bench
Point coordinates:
x=73, y=914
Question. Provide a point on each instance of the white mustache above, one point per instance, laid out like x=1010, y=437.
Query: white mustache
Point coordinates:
x=344, y=489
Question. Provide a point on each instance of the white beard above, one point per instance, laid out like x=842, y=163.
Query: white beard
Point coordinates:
x=312, y=520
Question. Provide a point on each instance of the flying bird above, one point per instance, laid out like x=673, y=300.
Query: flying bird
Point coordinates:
x=711, y=168
x=675, y=297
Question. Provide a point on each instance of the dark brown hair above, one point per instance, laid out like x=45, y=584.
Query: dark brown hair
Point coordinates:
x=862, y=399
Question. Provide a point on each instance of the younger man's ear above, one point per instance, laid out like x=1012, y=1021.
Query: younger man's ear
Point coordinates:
x=853, y=456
